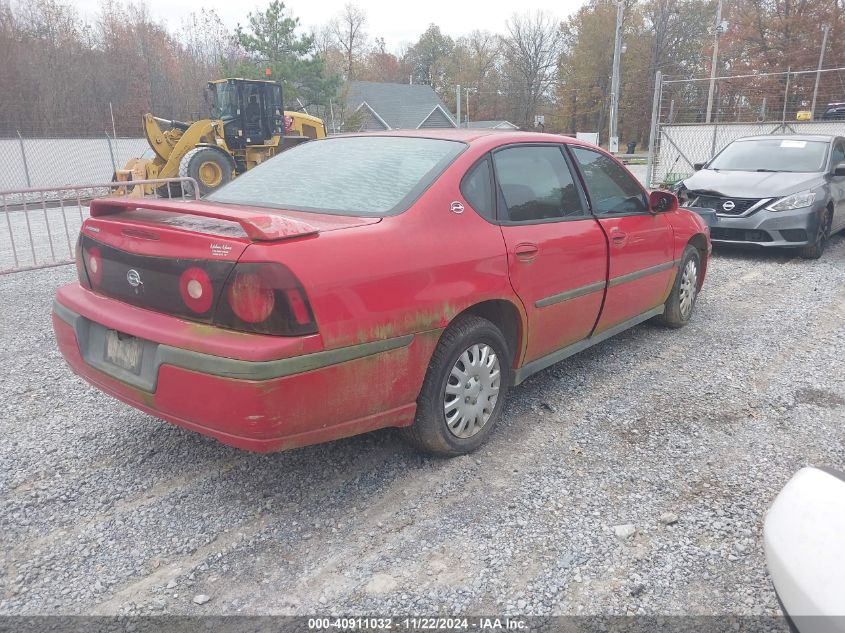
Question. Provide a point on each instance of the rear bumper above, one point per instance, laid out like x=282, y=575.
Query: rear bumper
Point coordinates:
x=769, y=228
x=266, y=405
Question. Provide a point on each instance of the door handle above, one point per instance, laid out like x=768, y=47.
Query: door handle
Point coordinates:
x=526, y=251
x=619, y=237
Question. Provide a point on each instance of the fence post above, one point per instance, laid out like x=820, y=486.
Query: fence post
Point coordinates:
x=111, y=153
x=713, y=142
x=23, y=156
x=785, y=97
x=652, y=138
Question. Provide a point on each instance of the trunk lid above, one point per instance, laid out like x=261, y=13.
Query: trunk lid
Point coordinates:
x=175, y=257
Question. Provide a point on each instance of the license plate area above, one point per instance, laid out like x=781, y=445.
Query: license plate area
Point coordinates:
x=124, y=351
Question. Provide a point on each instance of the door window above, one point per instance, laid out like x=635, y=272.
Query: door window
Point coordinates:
x=535, y=184
x=612, y=189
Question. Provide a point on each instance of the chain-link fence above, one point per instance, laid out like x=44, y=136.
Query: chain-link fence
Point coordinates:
x=693, y=119
x=50, y=162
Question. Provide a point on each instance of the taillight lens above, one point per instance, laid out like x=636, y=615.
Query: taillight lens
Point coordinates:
x=80, y=267
x=250, y=297
x=196, y=290
x=93, y=265
x=265, y=298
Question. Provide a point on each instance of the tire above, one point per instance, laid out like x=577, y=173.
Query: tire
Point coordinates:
x=681, y=302
x=466, y=339
x=210, y=167
x=815, y=250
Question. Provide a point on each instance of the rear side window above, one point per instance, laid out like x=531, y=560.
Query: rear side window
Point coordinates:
x=477, y=188
x=355, y=175
x=535, y=184
x=611, y=188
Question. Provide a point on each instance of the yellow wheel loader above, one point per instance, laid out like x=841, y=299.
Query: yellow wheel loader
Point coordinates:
x=247, y=126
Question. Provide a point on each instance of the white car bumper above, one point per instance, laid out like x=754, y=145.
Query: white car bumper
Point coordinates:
x=804, y=536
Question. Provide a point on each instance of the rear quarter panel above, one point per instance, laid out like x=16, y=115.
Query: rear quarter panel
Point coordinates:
x=409, y=273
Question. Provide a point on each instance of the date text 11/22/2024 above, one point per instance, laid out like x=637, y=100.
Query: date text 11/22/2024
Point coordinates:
x=417, y=624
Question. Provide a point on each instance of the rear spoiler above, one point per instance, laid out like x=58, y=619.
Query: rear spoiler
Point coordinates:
x=261, y=227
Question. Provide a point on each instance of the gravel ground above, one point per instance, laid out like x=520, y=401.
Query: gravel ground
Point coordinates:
x=106, y=510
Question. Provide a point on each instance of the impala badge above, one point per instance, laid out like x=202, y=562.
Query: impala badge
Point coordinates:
x=457, y=207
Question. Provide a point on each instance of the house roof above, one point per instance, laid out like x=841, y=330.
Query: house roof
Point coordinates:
x=501, y=125
x=399, y=106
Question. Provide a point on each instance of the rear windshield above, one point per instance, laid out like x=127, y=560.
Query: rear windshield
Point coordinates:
x=358, y=175
x=775, y=154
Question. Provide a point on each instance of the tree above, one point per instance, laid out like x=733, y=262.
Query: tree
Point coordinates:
x=531, y=47
x=348, y=31
x=207, y=40
x=380, y=65
x=427, y=57
x=271, y=41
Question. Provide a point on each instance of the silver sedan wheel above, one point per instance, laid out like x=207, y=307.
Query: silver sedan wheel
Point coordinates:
x=688, y=288
x=472, y=390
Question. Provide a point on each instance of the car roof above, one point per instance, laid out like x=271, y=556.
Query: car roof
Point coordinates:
x=790, y=137
x=475, y=136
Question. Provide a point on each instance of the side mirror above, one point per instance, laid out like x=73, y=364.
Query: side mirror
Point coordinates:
x=698, y=166
x=839, y=170
x=662, y=201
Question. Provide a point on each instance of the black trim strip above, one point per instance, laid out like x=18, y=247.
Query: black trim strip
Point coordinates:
x=832, y=472
x=220, y=365
x=570, y=294
x=637, y=274
x=555, y=357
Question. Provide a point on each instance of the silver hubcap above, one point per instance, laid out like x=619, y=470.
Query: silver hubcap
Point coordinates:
x=689, y=281
x=472, y=390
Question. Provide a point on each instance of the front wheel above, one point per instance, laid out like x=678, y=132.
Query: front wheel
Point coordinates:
x=678, y=308
x=464, y=389
x=209, y=166
x=815, y=250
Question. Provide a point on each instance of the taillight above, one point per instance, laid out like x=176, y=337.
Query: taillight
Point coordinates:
x=250, y=297
x=80, y=267
x=93, y=265
x=265, y=298
x=196, y=290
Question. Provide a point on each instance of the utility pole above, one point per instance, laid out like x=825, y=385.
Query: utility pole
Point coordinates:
x=826, y=29
x=613, y=143
x=458, y=100
x=715, y=61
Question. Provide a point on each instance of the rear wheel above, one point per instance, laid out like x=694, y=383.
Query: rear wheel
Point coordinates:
x=678, y=308
x=464, y=389
x=210, y=167
x=815, y=250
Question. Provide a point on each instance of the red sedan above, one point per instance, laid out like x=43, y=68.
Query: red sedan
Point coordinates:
x=403, y=279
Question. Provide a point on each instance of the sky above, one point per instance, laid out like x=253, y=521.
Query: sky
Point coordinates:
x=397, y=21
